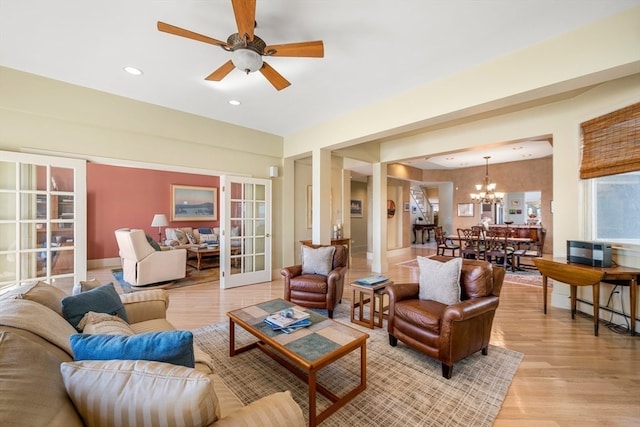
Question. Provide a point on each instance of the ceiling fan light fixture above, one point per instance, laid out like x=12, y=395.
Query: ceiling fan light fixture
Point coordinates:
x=246, y=60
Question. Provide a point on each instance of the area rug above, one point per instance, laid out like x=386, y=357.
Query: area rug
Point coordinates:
x=404, y=387
x=194, y=277
x=530, y=277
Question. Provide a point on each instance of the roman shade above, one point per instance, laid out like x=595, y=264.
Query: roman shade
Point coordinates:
x=611, y=143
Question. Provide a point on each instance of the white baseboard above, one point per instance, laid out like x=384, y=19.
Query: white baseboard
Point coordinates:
x=103, y=263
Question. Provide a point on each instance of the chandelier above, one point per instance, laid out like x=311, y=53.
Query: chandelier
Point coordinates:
x=487, y=191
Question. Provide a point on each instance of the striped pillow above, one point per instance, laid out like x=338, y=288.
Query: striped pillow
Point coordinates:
x=135, y=393
x=103, y=323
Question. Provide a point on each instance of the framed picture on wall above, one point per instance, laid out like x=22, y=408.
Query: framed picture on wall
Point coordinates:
x=465, y=209
x=356, y=208
x=194, y=203
x=405, y=206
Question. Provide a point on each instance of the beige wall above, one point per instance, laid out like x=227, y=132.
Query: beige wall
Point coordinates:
x=66, y=120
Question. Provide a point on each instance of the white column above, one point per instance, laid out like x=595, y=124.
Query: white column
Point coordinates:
x=287, y=225
x=379, y=263
x=321, y=182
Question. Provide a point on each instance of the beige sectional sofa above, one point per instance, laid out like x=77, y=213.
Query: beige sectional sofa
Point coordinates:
x=41, y=385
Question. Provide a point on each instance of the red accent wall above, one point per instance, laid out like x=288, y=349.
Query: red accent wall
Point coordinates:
x=122, y=197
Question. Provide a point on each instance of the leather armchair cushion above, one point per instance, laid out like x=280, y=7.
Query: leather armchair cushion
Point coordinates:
x=313, y=283
x=423, y=314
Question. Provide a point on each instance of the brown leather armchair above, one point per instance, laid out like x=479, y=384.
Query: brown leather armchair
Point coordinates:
x=447, y=333
x=316, y=290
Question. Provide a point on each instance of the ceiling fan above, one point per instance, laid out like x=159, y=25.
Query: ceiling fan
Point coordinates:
x=247, y=49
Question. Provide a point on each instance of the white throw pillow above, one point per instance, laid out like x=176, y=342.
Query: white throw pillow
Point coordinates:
x=139, y=392
x=440, y=281
x=317, y=260
x=206, y=238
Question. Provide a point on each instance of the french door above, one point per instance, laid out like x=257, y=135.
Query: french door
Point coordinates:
x=42, y=219
x=245, y=229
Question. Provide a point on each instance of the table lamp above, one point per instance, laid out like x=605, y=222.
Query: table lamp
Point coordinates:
x=159, y=220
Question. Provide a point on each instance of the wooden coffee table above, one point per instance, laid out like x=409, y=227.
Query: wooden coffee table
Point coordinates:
x=202, y=253
x=304, y=352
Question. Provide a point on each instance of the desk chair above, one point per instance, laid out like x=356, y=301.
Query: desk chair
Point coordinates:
x=573, y=276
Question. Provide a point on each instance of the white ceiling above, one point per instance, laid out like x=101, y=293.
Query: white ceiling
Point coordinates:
x=374, y=49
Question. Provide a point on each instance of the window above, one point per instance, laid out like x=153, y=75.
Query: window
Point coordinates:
x=616, y=208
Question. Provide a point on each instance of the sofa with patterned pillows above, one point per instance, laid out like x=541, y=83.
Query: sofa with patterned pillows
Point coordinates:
x=188, y=236
x=99, y=358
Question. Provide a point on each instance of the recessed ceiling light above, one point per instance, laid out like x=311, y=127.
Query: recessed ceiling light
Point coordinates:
x=133, y=71
x=234, y=102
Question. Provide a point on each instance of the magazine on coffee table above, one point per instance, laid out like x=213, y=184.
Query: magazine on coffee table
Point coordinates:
x=286, y=317
x=371, y=280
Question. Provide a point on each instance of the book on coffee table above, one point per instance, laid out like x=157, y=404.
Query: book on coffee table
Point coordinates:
x=281, y=320
x=371, y=280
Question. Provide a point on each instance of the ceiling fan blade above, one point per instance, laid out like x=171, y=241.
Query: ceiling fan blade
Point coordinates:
x=245, y=13
x=314, y=49
x=274, y=77
x=177, y=31
x=221, y=72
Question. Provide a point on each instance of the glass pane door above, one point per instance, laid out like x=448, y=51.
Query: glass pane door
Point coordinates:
x=41, y=213
x=246, y=231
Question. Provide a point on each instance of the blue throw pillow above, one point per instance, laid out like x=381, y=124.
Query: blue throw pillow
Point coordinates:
x=168, y=346
x=103, y=299
x=205, y=230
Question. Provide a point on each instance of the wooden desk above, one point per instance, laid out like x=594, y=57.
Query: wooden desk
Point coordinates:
x=622, y=273
x=422, y=228
x=344, y=241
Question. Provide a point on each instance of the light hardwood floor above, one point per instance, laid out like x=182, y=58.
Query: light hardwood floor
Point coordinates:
x=568, y=376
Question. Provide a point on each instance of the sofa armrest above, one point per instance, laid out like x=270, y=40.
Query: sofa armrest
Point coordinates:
x=146, y=305
x=275, y=410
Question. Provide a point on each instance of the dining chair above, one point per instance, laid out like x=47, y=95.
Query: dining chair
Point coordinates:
x=497, y=249
x=471, y=243
x=443, y=244
x=531, y=250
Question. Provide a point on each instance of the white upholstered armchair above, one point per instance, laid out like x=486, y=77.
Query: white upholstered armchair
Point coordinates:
x=143, y=265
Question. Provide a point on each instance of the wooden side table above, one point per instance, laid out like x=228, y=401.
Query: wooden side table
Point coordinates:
x=373, y=295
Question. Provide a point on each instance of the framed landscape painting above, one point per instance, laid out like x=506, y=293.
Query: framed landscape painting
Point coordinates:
x=193, y=203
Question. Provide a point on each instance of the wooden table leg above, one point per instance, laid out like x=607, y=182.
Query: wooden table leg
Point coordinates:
x=544, y=293
x=232, y=338
x=312, y=399
x=353, y=304
x=633, y=288
x=596, y=308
